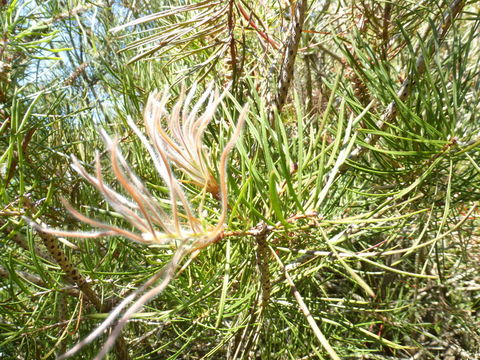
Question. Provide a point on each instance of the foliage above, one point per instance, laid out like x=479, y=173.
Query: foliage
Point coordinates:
x=343, y=224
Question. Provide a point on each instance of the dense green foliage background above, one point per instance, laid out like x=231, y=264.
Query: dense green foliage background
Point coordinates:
x=364, y=179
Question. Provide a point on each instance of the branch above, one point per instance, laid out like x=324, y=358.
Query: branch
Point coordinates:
x=289, y=56
x=75, y=277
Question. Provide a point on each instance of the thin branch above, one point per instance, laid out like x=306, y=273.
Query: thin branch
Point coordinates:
x=289, y=56
x=75, y=277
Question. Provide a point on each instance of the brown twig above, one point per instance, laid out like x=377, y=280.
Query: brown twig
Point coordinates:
x=261, y=33
x=387, y=14
x=55, y=254
x=262, y=262
x=232, y=43
x=73, y=275
x=289, y=56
